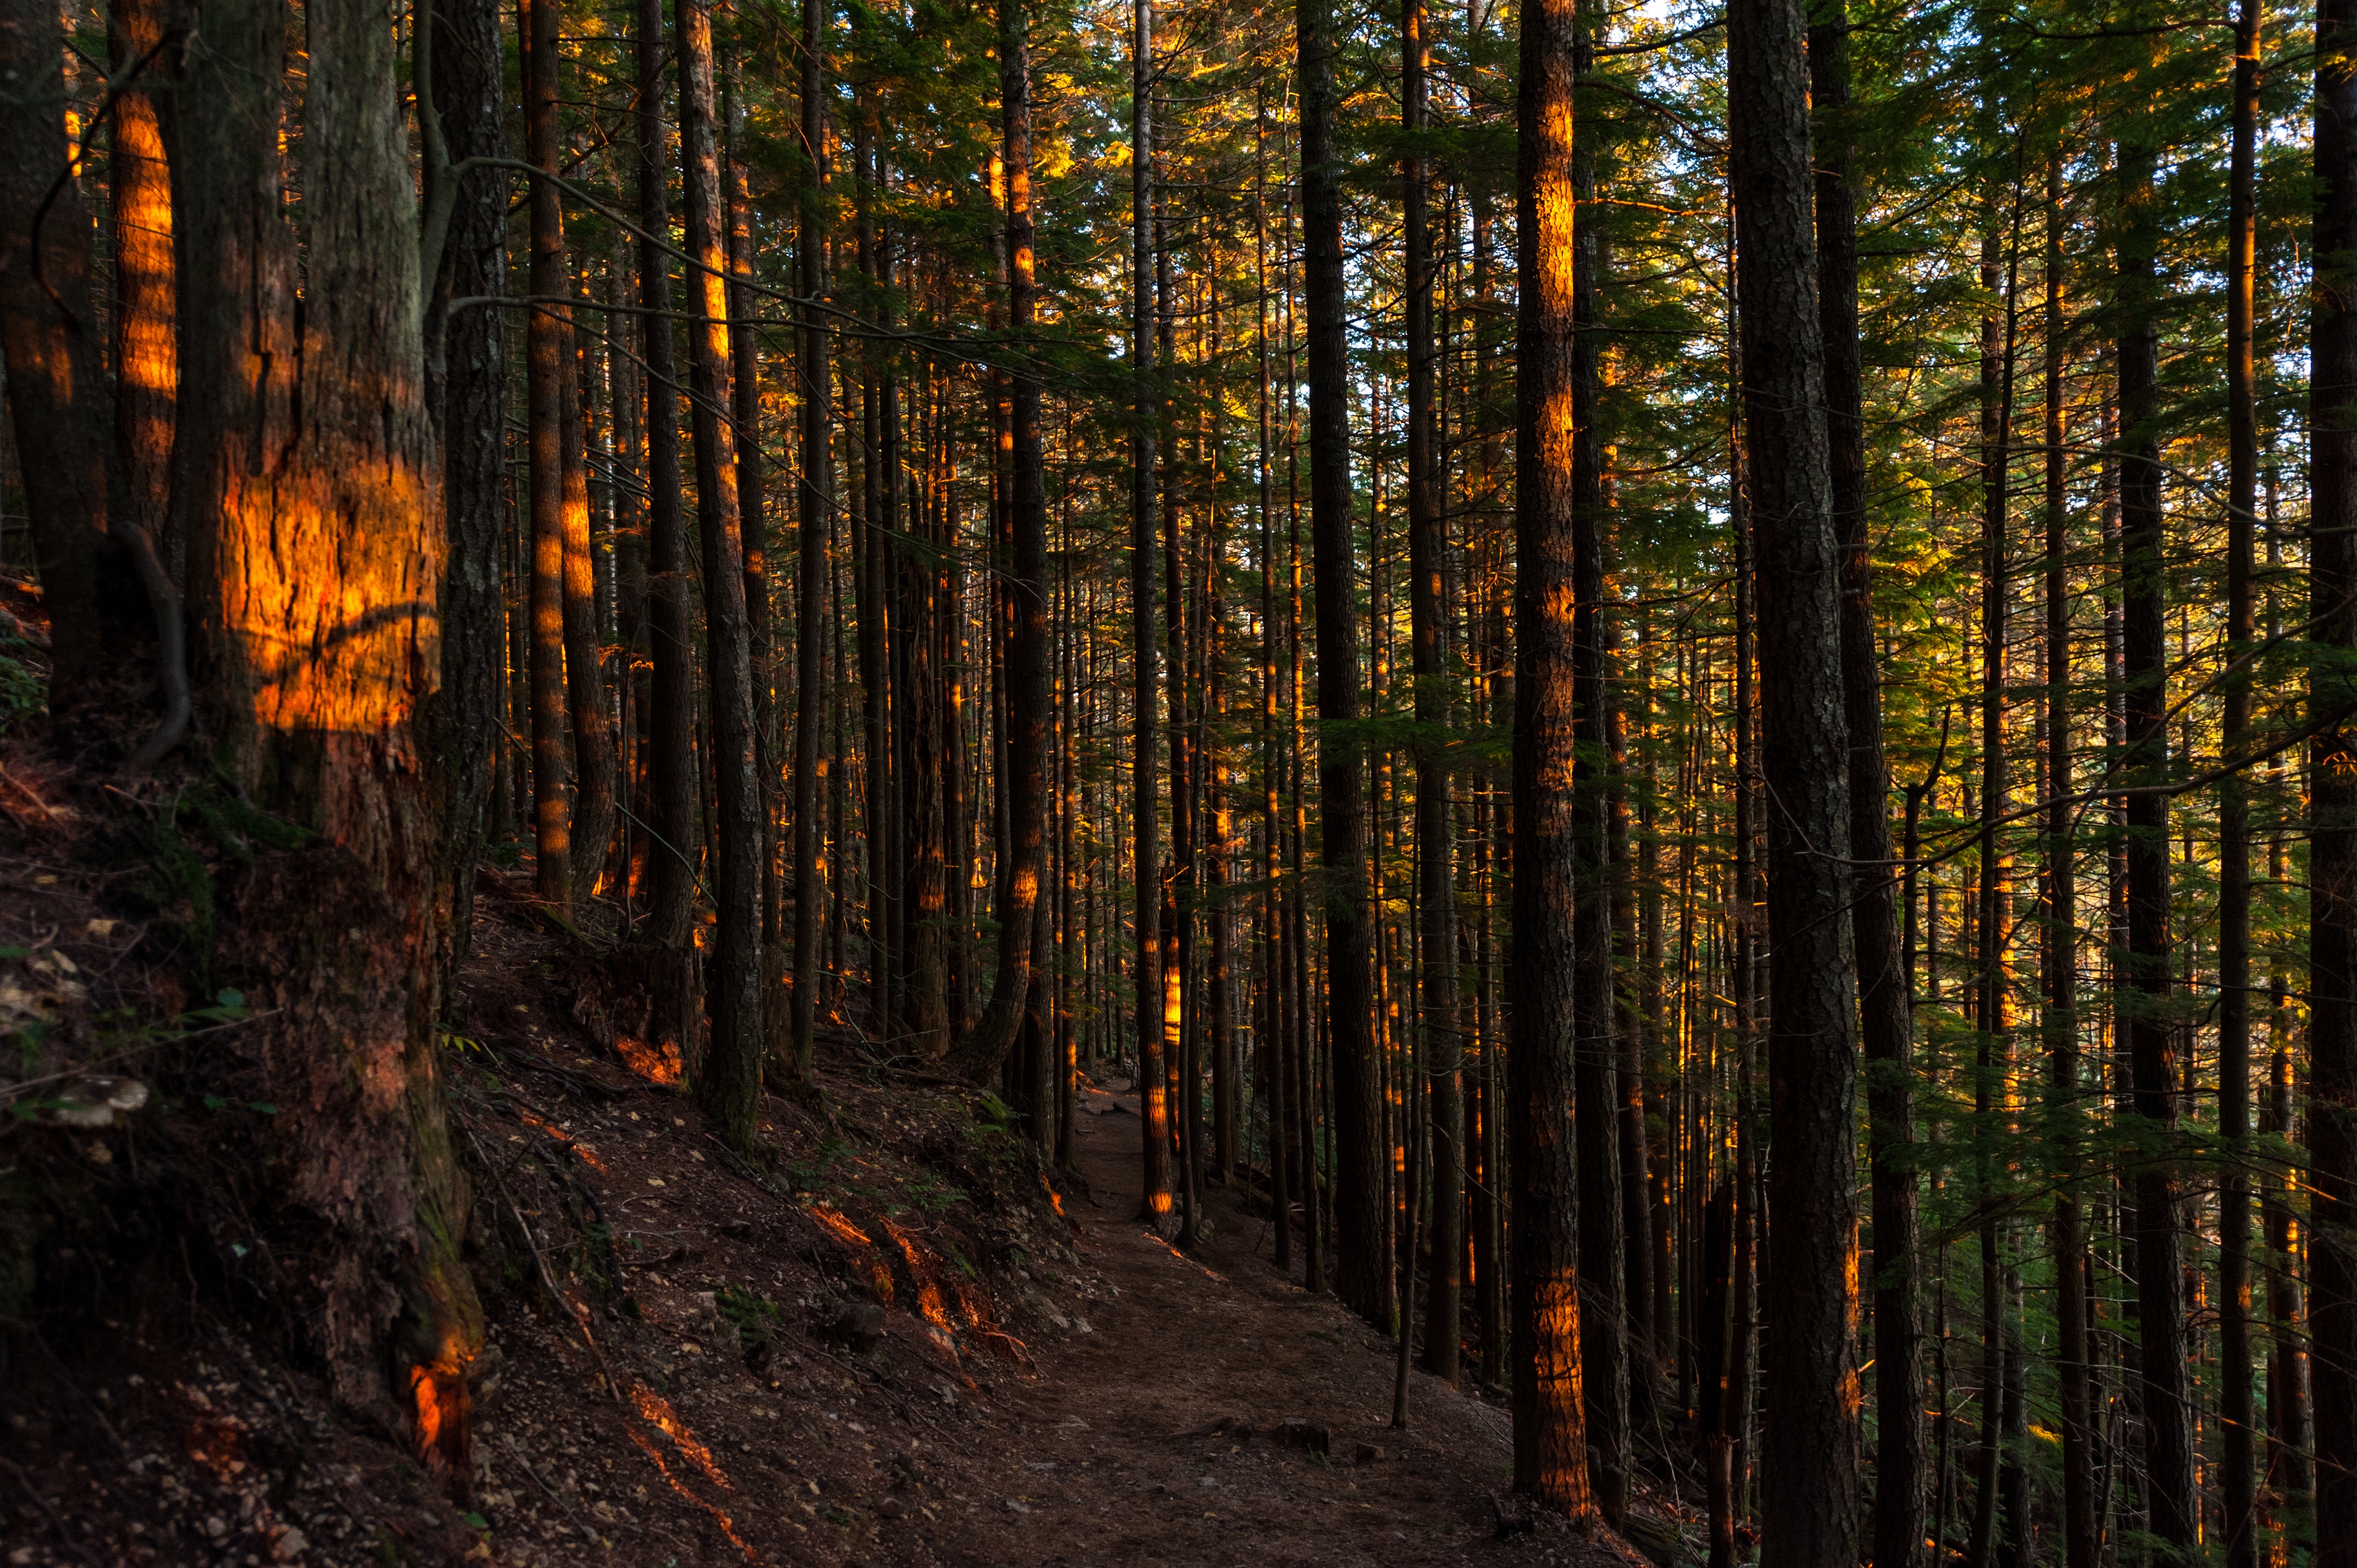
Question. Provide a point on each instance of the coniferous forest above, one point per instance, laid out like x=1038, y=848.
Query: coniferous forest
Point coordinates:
x=1657, y=705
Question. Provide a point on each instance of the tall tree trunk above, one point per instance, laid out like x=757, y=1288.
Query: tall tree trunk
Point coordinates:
x=1550, y=1424
x=2142, y=1000
x=1886, y=1000
x=2080, y=1542
x=1427, y=543
x=306, y=485
x=584, y=676
x=1603, y=1322
x=1810, y=1488
x=1362, y=1276
x=2332, y=793
x=1023, y=860
x=547, y=344
x=147, y=369
x=467, y=394
x=672, y=690
x=1144, y=820
x=2238, y=1455
x=814, y=497
x=730, y=1081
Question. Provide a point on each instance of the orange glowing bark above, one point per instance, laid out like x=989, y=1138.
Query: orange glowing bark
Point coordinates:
x=304, y=485
x=147, y=352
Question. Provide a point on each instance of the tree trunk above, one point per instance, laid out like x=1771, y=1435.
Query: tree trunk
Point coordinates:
x=305, y=484
x=547, y=343
x=2332, y=786
x=1443, y=1018
x=2142, y=1000
x=814, y=497
x=1809, y=1508
x=1886, y=1002
x=730, y=1081
x=2238, y=1455
x=467, y=394
x=585, y=676
x=1146, y=858
x=1550, y=1425
x=1023, y=860
x=1362, y=1278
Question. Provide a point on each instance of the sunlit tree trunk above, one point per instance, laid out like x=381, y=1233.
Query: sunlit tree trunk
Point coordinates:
x=1443, y=1022
x=1550, y=1425
x=584, y=676
x=305, y=484
x=1023, y=860
x=547, y=344
x=729, y=1083
x=814, y=496
x=1809, y=1513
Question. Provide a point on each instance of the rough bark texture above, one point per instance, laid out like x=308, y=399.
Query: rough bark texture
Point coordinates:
x=1363, y=1273
x=467, y=392
x=1444, y=1024
x=1550, y=1427
x=814, y=495
x=2333, y=775
x=1885, y=999
x=1023, y=859
x=306, y=486
x=146, y=352
x=547, y=347
x=731, y=1079
x=1809, y=1484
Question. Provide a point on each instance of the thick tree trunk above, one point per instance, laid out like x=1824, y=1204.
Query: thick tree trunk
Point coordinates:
x=586, y=700
x=146, y=368
x=305, y=484
x=1886, y=1002
x=1809, y=1504
x=467, y=394
x=729, y=1083
x=672, y=691
x=2332, y=798
x=1550, y=1425
x=1362, y=1277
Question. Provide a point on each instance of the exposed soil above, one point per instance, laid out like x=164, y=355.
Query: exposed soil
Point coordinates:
x=890, y=1342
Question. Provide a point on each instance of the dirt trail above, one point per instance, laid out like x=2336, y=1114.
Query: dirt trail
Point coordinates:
x=1095, y=1470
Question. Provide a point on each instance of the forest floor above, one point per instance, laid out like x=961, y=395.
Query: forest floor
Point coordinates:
x=890, y=1341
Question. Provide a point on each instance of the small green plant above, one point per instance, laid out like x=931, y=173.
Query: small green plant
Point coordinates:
x=755, y=1318
x=21, y=694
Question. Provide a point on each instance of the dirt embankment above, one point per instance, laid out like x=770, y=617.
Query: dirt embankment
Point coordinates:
x=891, y=1341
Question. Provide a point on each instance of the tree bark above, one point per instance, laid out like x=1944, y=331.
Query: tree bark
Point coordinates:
x=547, y=344
x=1443, y=1014
x=1810, y=1507
x=1023, y=863
x=305, y=483
x=2143, y=998
x=814, y=495
x=1363, y=1273
x=1550, y=1425
x=729, y=1084
x=467, y=394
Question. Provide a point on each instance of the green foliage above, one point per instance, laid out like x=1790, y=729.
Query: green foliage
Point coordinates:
x=22, y=692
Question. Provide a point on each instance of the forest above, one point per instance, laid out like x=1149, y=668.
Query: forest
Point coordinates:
x=1670, y=690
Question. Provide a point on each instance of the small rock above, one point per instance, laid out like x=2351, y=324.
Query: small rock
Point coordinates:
x=289, y=1546
x=890, y=1508
x=1368, y=1453
x=859, y=1324
x=1293, y=1432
